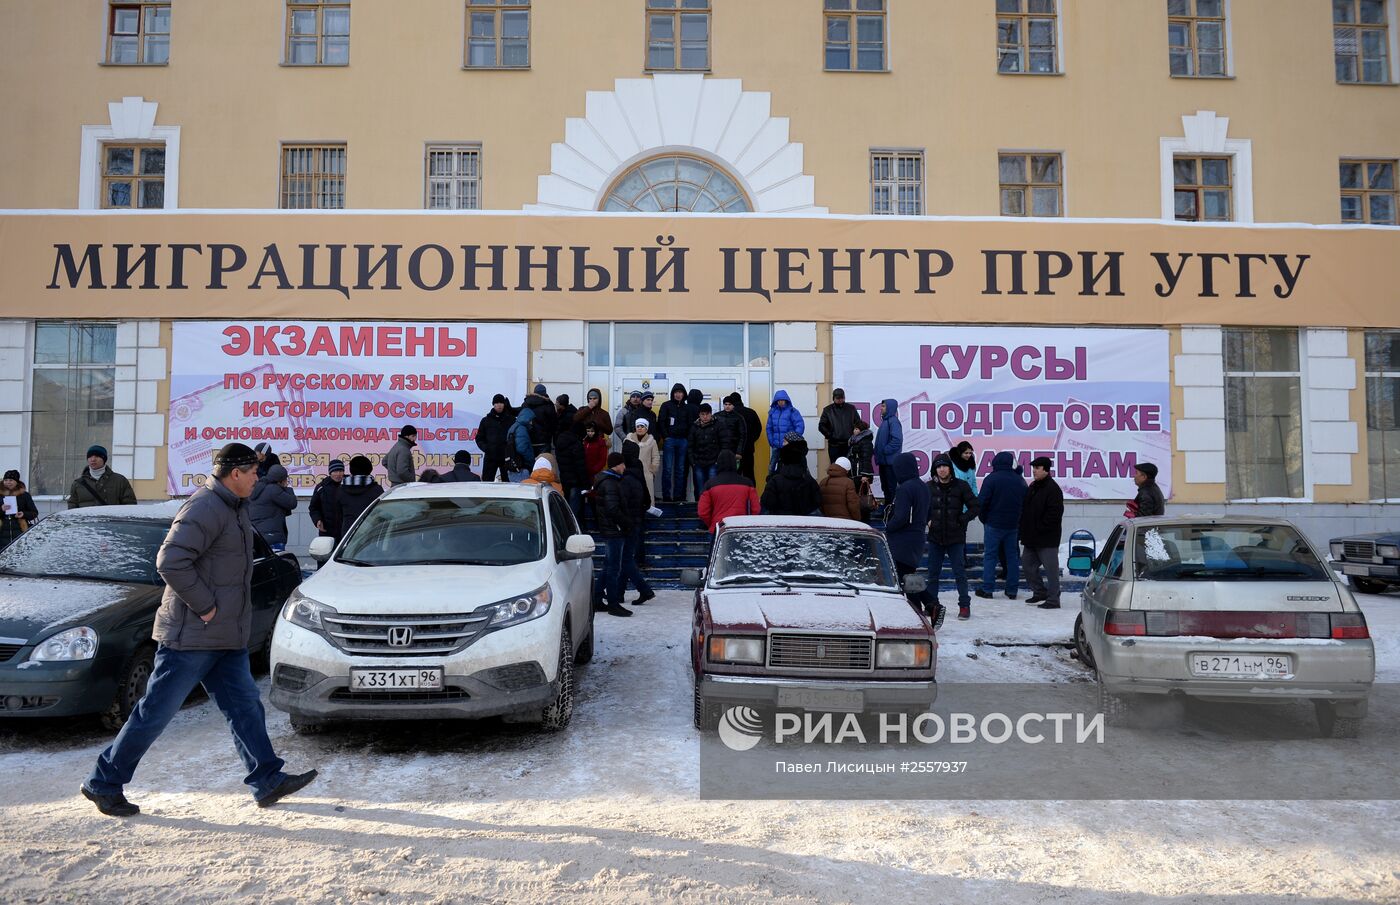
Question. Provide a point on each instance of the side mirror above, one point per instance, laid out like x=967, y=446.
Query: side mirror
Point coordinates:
x=1081, y=563
x=579, y=546
x=321, y=548
x=692, y=578
x=915, y=584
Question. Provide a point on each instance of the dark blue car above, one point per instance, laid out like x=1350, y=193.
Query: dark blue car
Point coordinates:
x=1371, y=562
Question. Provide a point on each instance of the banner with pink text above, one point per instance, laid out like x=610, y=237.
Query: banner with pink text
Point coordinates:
x=322, y=390
x=1095, y=401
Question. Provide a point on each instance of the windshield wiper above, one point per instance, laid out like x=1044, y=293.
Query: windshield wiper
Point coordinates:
x=447, y=562
x=752, y=579
x=355, y=562
x=820, y=576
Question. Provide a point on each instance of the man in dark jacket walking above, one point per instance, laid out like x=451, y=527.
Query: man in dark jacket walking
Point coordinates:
x=705, y=444
x=614, y=526
x=398, y=464
x=359, y=490
x=1002, y=496
x=1042, y=519
x=791, y=490
x=324, y=507
x=270, y=504
x=673, y=430
x=491, y=437
x=202, y=629
x=1149, y=499
x=461, y=472
x=99, y=485
x=906, y=524
x=952, y=507
x=836, y=424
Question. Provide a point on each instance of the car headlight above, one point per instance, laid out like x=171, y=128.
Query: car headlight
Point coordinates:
x=1388, y=551
x=1338, y=550
x=519, y=609
x=903, y=655
x=736, y=650
x=306, y=612
x=73, y=644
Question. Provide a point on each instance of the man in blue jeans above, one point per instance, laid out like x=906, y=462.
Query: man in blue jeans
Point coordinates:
x=202, y=627
x=1002, y=496
x=952, y=506
x=673, y=431
x=614, y=527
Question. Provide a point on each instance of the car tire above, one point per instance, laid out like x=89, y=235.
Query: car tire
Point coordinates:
x=707, y=714
x=304, y=726
x=1367, y=585
x=1081, y=642
x=1334, y=726
x=585, y=650
x=557, y=715
x=131, y=686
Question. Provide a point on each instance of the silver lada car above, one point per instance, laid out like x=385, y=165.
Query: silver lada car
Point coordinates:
x=1231, y=608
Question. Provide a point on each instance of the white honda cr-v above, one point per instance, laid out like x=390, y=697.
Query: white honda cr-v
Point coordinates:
x=442, y=601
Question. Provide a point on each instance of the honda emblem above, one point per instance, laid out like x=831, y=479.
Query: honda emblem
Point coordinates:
x=400, y=636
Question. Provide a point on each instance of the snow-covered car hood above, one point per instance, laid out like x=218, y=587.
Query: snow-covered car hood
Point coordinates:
x=822, y=609
x=421, y=588
x=28, y=605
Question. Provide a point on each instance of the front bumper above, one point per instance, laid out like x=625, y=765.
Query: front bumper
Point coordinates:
x=889, y=694
x=56, y=689
x=1325, y=669
x=1368, y=570
x=462, y=697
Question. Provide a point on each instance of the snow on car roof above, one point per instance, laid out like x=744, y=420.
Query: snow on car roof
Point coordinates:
x=794, y=521
x=162, y=510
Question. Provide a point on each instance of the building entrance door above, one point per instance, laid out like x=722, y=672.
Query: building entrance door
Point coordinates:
x=714, y=383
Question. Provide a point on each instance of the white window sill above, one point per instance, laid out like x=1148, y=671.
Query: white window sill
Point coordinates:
x=1273, y=499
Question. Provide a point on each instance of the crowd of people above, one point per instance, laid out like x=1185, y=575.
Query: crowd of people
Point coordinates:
x=614, y=467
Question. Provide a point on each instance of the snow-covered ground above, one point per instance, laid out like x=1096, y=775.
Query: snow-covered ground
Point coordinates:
x=608, y=811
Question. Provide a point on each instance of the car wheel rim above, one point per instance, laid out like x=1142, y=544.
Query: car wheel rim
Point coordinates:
x=136, y=688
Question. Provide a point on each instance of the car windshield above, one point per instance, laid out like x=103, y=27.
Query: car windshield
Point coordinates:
x=447, y=531
x=101, y=549
x=796, y=557
x=1226, y=553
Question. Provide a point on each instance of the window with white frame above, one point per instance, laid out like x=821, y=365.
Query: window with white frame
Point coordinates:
x=138, y=33
x=1263, y=414
x=1027, y=36
x=1196, y=37
x=453, y=177
x=1361, y=40
x=74, y=394
x=1383, y=413
x=896, y=182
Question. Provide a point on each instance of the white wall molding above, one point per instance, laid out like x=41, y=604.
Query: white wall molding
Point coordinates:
x=138, y=427
x=1199, y=431
x=800, y=369
x=559, y=361
x=1207, y=133
x=1331, y=436
x=130, y=119
x=714, y=119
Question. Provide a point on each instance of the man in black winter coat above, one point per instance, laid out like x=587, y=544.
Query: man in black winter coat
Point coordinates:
x=1149, y=500
x=952, y=507
x=546, y=417
x=491, y=437
x=614, y=527
x=325, y=502
x=673, y=432
x=461, y=472
x=704, y=443
x=732, y=430
x=358, y=492
x=753, y=430
x=573, y=467
x=1042, y=518
x=837, y=423
x=791, y=490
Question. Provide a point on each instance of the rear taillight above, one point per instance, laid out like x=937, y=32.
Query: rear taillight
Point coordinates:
x=1242, y=624
x=1124, y=622
x=1349, y=626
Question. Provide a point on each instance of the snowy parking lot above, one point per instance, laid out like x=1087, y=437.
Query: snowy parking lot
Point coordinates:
x=609, y=811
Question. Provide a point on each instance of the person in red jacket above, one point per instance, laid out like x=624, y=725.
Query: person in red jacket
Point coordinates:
x=727, y=493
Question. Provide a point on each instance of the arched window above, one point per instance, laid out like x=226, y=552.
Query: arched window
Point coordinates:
x=676, y=183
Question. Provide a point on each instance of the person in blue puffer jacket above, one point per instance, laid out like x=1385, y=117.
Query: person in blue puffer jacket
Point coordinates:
x=520, y=451
x=783, y=419
x=889, y=442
